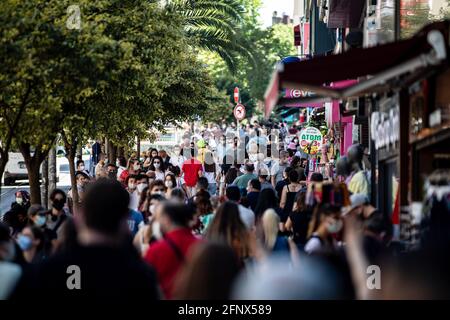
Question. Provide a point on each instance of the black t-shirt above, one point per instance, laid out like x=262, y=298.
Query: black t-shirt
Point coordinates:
x=300, y=224
x=105, y=272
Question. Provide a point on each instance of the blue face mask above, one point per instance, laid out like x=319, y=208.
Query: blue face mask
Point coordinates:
x=40, y=221
x=24, y=242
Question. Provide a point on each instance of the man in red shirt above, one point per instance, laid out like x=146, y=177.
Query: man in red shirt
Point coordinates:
x=192, y=169
x=168, y=255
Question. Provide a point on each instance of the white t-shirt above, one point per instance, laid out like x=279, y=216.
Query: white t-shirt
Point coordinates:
x=209, y=176
x=247, y=216
x=134, y=200
x=159, y=175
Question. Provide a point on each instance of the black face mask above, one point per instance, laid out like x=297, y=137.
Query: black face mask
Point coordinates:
x=112, y=175
x=58, y=204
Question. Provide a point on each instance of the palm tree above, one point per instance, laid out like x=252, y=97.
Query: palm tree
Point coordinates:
x=214, y=26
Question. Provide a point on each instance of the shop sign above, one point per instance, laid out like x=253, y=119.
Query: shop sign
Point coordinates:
x=311, y=140
x=385, y=128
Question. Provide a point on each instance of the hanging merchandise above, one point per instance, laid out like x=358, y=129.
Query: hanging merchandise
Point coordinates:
x=436, y=214
x=311, y=140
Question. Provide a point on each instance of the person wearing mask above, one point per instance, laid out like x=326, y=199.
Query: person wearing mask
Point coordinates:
x=165, y=157
x=22, y=199
x=289, y=193
x=253, y=191
x=298, y=221
x=149, y=231
x=277, y=168
x=16, y=217
x=103, y=254
x=151, y=153
x=141, y=184
x=131, y=183
x=157, y=165
x=37, y=217
x=199, y=280
x=326, y=222
x=192, y=170
x=10, y=272
x=209, y=172
x=82, y=179
x=57, y=215
x=80, y=166
x=121, y=165
x=170, y=184
x=32, y=241
x=111, y=171
x=280, y=185
x=100, y=165
x=227, y=227
x=242, y=181
x=133, y=168
x=248, y=217
x=262, y=177
x=169, y=254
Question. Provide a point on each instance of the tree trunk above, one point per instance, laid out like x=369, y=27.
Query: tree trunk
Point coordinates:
x=71, y=148
x=112, y=152
x=80, y=152
x=33, y=177
x=138, y=147
x=44, y=185
x=52, y=170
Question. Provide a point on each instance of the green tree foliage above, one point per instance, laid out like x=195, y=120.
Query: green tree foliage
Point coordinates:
x=214, y=25
x=128, y=69
x=268, y=46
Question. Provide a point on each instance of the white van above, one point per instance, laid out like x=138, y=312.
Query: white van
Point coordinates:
x=15, y=169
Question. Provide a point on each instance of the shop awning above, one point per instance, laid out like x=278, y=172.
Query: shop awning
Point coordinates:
x=345, y=13
x=372, y=66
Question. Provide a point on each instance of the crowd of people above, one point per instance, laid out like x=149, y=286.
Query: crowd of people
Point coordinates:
x=219, y=218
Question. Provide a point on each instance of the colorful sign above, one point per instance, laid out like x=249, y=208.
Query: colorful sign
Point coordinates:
x=311, y=140
x=236, y=95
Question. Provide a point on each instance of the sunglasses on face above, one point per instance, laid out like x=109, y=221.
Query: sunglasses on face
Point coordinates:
x=156, y=162
x=158, y=190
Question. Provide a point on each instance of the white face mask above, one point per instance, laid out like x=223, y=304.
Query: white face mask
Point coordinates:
x=156, y=230
x=156, y=165
x=141, y=187
x=169, y=184
x=131, y=186
x=19, y=200
x=136, y=167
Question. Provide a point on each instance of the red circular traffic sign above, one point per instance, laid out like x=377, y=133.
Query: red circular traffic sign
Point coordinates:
x=239, y=112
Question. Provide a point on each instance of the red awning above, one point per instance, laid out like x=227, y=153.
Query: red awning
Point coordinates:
x=379, y=64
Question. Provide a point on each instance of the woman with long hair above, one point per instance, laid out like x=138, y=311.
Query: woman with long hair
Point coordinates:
x=209, y=172
x=171, y=183
x=326, y=221
x=267, y=200
x=273, y=240
x=151, y=153
x=299, y=219
x=227, y=227
x=157, y=166
x=288, y=194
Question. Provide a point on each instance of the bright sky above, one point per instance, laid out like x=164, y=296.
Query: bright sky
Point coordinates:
x=269, y=6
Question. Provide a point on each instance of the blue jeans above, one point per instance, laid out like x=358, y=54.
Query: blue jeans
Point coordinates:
x=212, y=188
